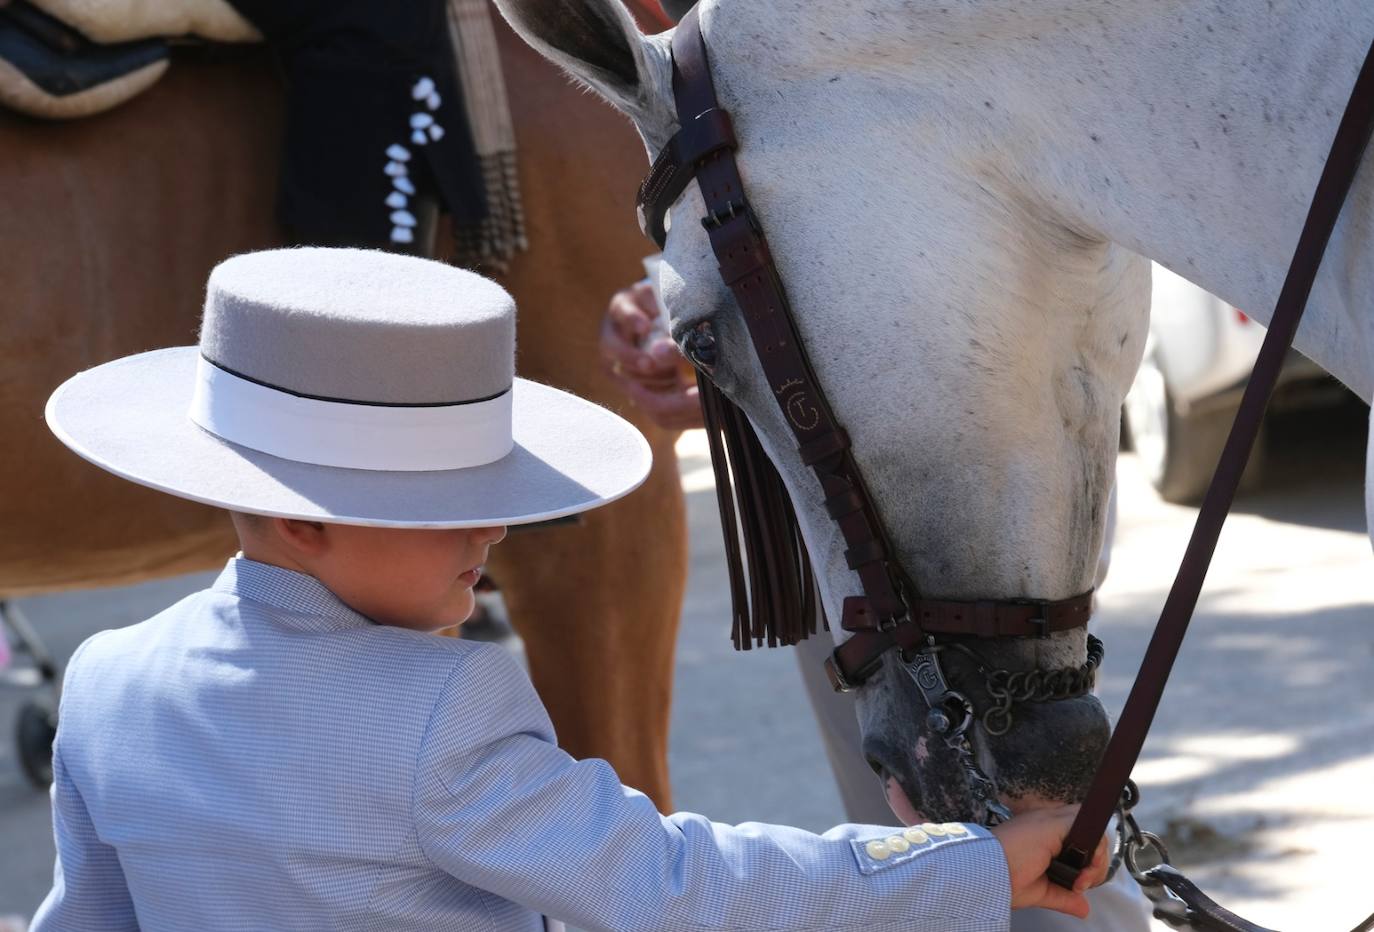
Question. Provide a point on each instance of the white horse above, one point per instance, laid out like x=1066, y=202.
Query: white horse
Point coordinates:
x=960, y=195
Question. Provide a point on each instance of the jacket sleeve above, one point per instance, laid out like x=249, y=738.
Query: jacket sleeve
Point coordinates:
x=88, y=889
x=500, y=807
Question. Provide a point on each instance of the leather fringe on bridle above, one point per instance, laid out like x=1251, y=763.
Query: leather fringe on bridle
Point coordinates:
x=777, y=604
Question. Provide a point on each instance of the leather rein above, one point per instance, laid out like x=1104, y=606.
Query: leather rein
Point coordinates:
x=891, y=614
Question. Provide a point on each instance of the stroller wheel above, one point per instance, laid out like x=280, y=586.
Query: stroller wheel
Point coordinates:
x=37, y=729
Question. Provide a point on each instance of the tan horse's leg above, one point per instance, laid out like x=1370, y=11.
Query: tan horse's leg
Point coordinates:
x=597, y=604
x=597, y=607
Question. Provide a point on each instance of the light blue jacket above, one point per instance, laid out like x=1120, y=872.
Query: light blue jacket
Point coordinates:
x=259, y=756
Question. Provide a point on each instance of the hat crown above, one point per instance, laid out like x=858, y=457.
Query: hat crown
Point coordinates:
x=366, y=388
x=332, y=323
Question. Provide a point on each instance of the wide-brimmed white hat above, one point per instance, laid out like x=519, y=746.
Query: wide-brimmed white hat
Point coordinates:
x=355, y=387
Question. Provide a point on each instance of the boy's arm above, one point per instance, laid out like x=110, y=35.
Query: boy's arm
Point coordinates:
x=88, y=890
x=499, y=806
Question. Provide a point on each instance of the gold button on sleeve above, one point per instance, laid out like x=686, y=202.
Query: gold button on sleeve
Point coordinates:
x=878, y=850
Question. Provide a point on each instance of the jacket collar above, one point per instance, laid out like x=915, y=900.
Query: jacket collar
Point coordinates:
x=300, y=601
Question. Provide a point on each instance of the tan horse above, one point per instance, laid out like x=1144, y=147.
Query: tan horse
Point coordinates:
x=108, y=228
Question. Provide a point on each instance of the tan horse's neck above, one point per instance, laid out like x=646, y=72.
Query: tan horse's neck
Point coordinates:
x=110, y=228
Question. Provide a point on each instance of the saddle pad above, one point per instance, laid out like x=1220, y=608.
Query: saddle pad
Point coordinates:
x=108, y=21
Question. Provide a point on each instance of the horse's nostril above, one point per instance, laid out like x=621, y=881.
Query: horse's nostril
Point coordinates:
x=877, y=768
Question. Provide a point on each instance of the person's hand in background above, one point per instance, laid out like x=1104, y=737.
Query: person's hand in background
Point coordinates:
x=645, y=362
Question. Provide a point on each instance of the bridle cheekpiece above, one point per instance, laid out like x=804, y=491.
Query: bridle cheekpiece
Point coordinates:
x=777, y=603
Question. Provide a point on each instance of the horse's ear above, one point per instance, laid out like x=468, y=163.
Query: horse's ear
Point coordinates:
x=597, y=42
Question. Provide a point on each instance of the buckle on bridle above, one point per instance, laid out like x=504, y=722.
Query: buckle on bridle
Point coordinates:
x=837, y=681
x=891, y=622
x=1042, y=623
x=717, y=218
x=842, y=684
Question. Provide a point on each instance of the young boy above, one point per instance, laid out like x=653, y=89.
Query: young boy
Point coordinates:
x=292, y=749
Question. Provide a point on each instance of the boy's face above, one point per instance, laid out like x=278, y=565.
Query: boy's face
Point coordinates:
x=420, y=579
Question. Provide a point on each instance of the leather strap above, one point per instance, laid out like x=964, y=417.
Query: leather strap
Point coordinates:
x=1189, y=904
x=747, y=267
x=673, y=169
x=1124, y=748
x=856, y=657
x=1182, y=904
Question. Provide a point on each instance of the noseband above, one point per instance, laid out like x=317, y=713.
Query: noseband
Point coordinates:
x=891, y=614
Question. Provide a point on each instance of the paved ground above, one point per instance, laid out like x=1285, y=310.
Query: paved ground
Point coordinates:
x=1260, y=765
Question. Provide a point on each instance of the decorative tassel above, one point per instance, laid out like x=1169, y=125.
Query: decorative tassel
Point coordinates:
x=772, y=587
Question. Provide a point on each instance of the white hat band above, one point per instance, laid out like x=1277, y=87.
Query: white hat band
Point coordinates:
x=354, y=435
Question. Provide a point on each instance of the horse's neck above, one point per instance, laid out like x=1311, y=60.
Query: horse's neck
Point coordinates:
x=1191, y=131
x=1035, y=135
x=1196, y=136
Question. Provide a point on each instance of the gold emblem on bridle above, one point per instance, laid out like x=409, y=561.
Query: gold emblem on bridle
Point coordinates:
x=800, y=411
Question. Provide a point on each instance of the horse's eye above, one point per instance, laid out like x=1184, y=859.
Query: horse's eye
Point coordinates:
x=700, y=346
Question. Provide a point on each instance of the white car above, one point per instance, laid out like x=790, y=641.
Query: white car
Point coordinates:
x=1198, y=356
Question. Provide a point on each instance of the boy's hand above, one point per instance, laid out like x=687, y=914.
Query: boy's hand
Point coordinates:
x=1030, y=841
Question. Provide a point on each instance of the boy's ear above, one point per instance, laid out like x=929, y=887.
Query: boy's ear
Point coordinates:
x=308, y=538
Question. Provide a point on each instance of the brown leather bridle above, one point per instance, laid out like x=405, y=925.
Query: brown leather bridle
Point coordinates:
x=891, y=614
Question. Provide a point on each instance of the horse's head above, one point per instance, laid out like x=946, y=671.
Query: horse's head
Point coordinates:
x=975, y=347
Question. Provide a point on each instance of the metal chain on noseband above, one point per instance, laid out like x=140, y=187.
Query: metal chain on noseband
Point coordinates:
x=951, y=713
x=1008, y=687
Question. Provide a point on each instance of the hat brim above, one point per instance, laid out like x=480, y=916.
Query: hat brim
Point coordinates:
x=129, y=417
